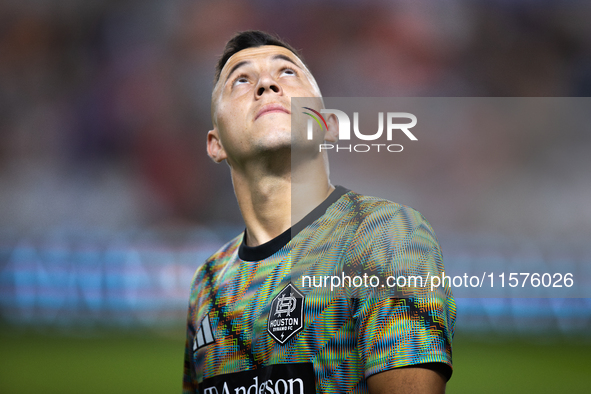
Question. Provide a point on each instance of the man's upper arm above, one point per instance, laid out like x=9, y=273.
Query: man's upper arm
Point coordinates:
x=408, y=380
x=405, y=341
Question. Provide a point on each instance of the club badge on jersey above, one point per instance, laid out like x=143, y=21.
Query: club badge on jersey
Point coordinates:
x=286, y=316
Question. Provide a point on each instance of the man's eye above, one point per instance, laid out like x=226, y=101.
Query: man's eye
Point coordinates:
x=288, y=71
x=240, y=80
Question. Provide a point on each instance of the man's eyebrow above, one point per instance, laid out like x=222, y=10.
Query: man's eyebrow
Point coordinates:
x=236, y=66
x=245, y=62
x=283, y=57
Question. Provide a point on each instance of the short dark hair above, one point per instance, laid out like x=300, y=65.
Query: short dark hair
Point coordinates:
x=250, y=39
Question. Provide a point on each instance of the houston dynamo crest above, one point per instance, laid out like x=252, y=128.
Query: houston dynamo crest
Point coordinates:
x=286, y=317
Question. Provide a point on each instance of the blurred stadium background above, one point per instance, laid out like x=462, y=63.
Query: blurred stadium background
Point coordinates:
x=108, y=202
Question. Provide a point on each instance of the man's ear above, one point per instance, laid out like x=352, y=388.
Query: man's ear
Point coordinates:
x=332, y=133
x=215, y=149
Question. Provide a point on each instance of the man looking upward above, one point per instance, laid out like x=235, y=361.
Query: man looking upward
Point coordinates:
x=254, y=324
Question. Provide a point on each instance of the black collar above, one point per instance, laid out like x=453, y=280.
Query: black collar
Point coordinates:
x=261, y=252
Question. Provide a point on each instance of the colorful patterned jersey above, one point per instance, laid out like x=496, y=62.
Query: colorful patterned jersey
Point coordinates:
x=267, y=319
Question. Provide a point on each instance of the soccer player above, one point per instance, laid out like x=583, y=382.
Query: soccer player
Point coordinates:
x=259, y=321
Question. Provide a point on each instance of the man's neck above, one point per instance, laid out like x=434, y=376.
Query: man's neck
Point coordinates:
x=272, y=202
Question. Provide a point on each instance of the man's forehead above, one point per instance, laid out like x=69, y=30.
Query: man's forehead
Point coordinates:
x=253, y=54
x=256, y=53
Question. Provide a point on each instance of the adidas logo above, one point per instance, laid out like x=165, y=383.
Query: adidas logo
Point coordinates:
x=204, y=335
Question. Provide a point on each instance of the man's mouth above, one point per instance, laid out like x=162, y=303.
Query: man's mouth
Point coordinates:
x=270, y=108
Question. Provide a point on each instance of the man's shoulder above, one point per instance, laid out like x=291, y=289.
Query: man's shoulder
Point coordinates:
x=382, y=210
x=227, y=251
x=223, y=256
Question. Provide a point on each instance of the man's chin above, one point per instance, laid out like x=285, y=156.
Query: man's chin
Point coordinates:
x=268, y=148
x=275, y=140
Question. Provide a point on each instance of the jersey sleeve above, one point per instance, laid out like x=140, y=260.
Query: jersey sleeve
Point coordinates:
x=413, y=327
x=189, y=381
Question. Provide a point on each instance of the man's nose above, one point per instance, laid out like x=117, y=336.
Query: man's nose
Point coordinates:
x=267, y=84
